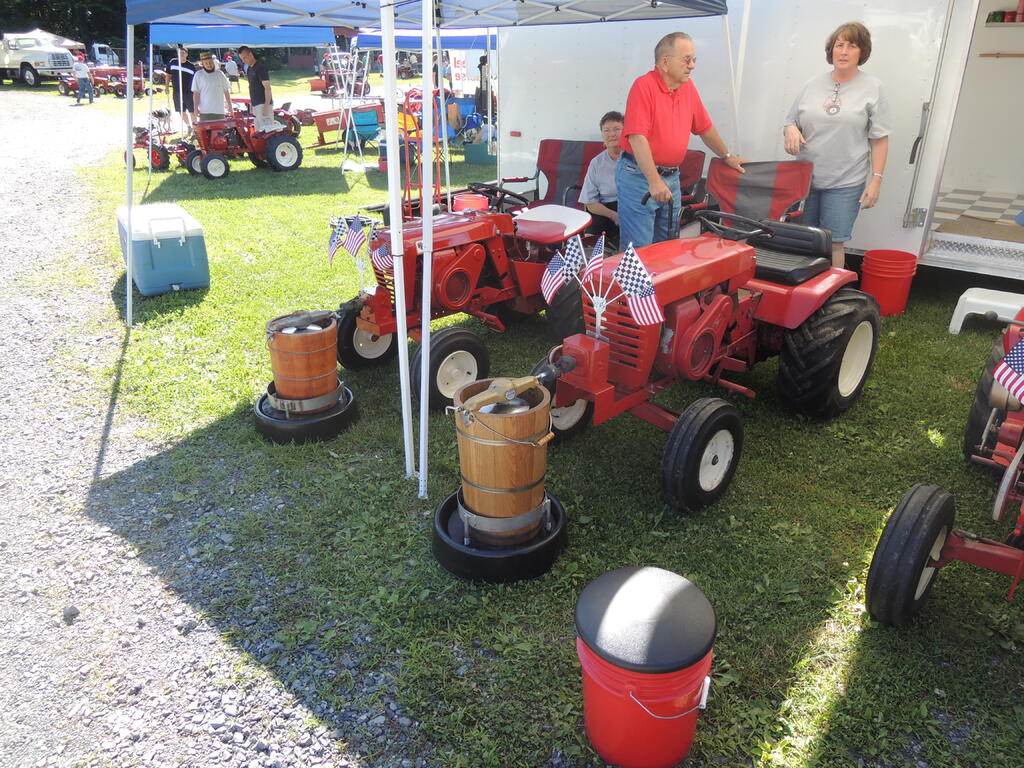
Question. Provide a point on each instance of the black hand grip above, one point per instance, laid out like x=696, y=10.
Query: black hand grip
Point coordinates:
x=645, y=198
x=913, y=149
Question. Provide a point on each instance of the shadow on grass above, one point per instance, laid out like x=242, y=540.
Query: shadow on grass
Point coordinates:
x=246, y=181
x=145, y=308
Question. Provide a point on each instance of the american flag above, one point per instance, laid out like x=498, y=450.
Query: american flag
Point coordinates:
x=575, y=258
x=1010, y=372
x=636, y=283
x=381, y=258
x=355, y=237
x=596, y=261
x=554, y=277
x=339, y=228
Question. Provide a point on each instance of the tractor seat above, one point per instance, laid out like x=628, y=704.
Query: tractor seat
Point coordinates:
x=788, y=268
x=550, y=224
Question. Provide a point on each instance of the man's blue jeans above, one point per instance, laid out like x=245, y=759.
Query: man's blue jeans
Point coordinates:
x=84, y=85
x=644, y=224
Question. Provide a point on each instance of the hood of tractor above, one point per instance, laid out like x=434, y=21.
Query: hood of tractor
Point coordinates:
x=451, y=230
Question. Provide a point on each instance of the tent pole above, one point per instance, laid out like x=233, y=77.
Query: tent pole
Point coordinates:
x=732, y=80
x=443, y=110
x=493, y=76
x=129, y=172
x=149, y=131
x=427, y=215
x=387, y=30
x=742, y=54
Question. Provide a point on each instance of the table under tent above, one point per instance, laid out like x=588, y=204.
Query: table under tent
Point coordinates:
x=267, y=15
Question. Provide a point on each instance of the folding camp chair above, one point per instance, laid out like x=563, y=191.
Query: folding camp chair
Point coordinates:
x=365, y=127
x=766, y=190
x=563, y=163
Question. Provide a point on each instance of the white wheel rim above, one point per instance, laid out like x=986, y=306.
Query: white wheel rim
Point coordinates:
x=928, y=573
x=855, y=358
x=286, y=154
x=568, y=416
x=455, y=370
x=716, y=460
x=197, y=164
x=368, y=346
x=217, y=167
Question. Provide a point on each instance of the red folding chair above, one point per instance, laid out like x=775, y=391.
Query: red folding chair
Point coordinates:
x=766, y=190
x=563, y=163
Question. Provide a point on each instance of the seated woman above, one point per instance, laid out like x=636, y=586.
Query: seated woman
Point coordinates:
x=598, y=195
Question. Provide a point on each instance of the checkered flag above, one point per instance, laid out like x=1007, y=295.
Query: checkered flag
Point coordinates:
x=596, y=261
x=554, y=277
x=574, y=257
x=638, y=287
x=339, y=228
x=381, y=257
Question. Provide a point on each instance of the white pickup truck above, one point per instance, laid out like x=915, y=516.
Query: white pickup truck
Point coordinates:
x=30, y=59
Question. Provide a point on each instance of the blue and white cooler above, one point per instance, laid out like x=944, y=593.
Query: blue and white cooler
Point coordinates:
x=168, y=248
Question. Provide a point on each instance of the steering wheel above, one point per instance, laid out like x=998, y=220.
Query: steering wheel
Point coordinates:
x=755, y=228
x=497, y=196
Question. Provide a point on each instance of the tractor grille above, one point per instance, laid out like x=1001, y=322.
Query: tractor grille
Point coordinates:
x=58, y=60
x=633, y=346
x=386, y=280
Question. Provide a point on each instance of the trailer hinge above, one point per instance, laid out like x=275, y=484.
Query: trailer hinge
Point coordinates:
x=915, y=217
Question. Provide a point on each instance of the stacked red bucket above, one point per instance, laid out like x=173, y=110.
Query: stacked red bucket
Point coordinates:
x=644, y=638
x=887, y=276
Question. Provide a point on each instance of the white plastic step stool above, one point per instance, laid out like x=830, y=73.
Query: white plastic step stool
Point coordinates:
x=978, y=301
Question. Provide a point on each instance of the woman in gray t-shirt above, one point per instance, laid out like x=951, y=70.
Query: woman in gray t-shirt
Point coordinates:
x=840, y=122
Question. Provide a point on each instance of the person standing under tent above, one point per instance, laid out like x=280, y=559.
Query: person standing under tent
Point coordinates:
x=840, y=121
x=211, y=90
x=260, y=97
x=84, y=77
x=598, y=194
x=231, y=70
x=662, y=110
x=181, y=73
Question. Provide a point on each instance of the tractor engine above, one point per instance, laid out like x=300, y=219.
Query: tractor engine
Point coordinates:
x=692, y=336
x=221, y=140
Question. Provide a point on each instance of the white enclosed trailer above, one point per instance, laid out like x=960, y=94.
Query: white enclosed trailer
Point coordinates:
x=957, y=146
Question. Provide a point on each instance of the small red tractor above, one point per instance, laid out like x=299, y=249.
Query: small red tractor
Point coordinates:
x=727, y=304
x=487, y=264
x=218, y=140
x=919, y=538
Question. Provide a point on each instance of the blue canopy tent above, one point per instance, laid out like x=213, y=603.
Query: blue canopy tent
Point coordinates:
x=234, y=35
x=412, y=14
x=461, y=40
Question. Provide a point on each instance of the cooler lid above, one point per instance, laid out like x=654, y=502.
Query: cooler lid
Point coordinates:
x=159, y=220
x=646, y=619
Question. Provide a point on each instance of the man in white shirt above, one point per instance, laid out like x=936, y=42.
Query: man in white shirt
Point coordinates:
x=83, y=74
x=231, y=70
x=211, y=90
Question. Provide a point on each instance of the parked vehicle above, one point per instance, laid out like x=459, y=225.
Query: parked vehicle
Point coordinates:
x=31, y=60
x=217, y=141
x=103, y=55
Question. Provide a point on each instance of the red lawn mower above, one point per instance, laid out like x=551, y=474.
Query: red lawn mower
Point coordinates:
x=727, y=304
x=919, y=537
x=218, y=140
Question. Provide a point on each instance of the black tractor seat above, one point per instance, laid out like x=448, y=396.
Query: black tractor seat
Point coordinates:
x=793, y=254
x=788, y=268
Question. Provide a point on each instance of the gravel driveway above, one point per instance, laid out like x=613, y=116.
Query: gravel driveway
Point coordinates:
x=106, y=660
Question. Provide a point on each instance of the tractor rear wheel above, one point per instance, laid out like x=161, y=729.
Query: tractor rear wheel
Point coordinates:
x=284, y=153
x=826, y=359
x=702, y=453
x=160, y=158
x=457, y=357
x=565, y=313
x=194, y=162
x=977, y=417
x=215, y=166
x=569, y=420
x=900, y=576
x=359, y=349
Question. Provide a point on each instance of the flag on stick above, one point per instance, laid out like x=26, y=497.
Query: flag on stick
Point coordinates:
x=355, y=237
x=554, y=277
x=596, y=261
x=381, y=258
x=339, y=228
x=574, y=258
x=636, y=283
x=1010, y=372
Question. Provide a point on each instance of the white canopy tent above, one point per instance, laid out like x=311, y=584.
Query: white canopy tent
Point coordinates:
x=405, y=14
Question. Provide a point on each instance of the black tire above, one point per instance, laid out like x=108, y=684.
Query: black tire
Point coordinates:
x=161, y=158
x=359, y=350
x=457, y=357
x=62, y=88
x=29, y=76
x=194, y=162
x=900, y=578
x=702, y=453
x=570, y=420
x=980, y=411
x=480, y=562
x=215, y=166
x=504, y=312
x=257, y=160
x=181, y=156
x=565, y=313
x=276, y=427
x=284, y=153
x=827, y=358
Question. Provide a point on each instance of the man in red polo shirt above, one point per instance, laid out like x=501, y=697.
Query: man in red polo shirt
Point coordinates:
x=662, y=110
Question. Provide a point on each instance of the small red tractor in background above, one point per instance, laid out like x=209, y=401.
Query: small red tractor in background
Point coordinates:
x=218, y=140
x=487, y=264
x=726, y=306
x=919, y=537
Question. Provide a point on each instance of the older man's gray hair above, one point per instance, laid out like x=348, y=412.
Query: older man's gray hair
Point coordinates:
x=667, y=44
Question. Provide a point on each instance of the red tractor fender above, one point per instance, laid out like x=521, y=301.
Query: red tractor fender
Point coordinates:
x=789, y=305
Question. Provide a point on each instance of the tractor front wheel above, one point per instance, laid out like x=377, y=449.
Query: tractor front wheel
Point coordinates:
x=194, y=162
x=901, y=573
x=457, y=357
x=569, y=420
x=565, y=313
x=359, y=349
x=62, y=88
x=702, y=453
x=284, y=153
x=215, y=166
x=826, y=359
x=978, y=417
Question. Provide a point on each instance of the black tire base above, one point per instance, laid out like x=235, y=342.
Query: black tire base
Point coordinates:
x=276, y=427
x=498, y=565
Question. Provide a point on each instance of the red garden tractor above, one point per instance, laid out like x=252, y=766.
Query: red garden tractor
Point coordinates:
x=919, y=537
x=727, y=304
x=486, y=263
x=218, y=140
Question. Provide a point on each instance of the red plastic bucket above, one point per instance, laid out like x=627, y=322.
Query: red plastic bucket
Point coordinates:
x=641, y=721
x=887, y=276
x=469, y=202
x=644, y=641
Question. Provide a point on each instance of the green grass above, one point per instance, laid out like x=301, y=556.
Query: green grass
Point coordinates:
x=802, y=676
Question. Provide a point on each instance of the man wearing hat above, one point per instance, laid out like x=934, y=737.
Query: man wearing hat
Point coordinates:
x=211, y=90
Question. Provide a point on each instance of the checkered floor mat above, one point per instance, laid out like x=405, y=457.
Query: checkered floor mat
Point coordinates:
x=972, y=203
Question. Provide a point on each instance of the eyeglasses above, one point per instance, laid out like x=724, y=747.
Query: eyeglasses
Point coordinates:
x=832, y=107
x=685, y=59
